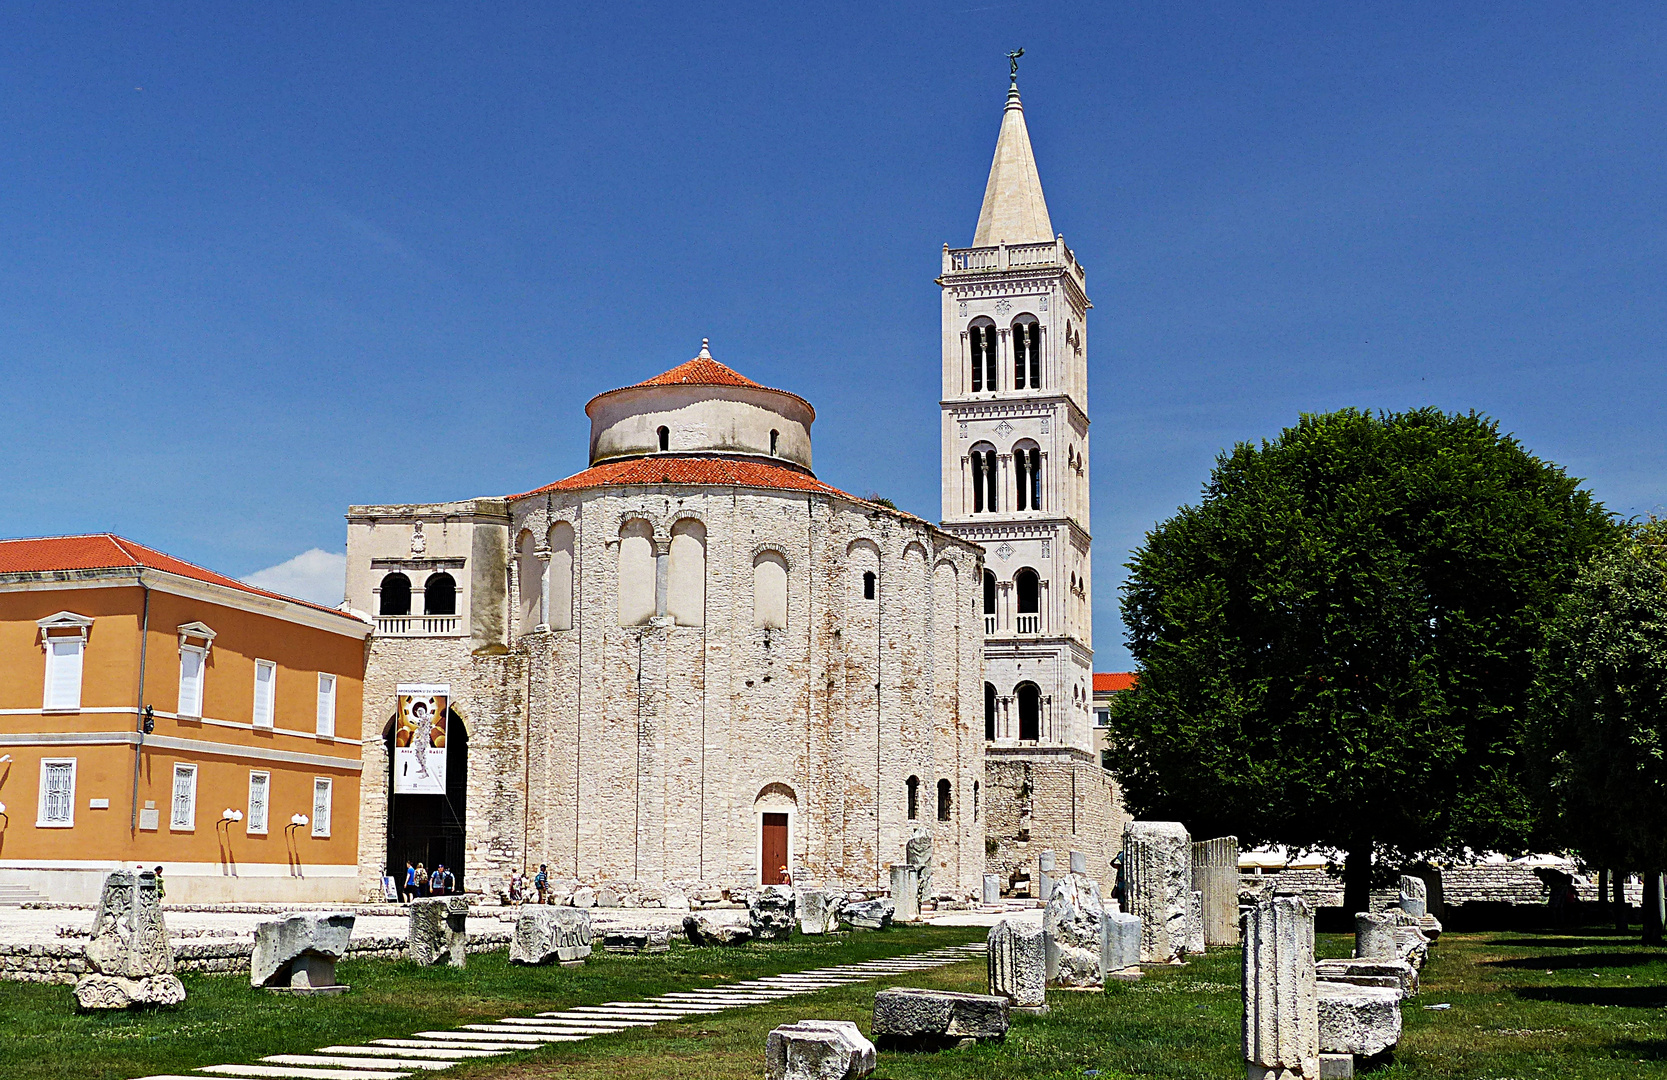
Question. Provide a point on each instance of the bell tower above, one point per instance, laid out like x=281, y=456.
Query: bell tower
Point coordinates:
x=1015, y=452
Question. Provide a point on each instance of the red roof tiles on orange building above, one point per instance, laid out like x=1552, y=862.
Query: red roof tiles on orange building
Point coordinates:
x=1110, y=682
x=106, y=551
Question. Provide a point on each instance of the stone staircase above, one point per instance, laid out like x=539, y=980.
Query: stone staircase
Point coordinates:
x=16, y=895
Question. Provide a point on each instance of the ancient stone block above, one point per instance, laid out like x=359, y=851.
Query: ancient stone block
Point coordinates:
x=818, y=1050
x=1374, y=935
x=1215, y=874
x=1071, y=925
x=1119, y=941
x=439, y=931
x=819, y=910
x=118, y=992
x=1281, y=1014
x=607, y=896
x=584, y=897
x=1414, y=896
x=300, y=951
x=905, y=892
x=636, y=940
x=771, y=912
x=550, y=935
x=705, y=931
x=908, y=1018
x=869, y=914
x=129, y=957
x=1079, y=863
x=1362, y=1020
x=1157, y=886
x=992, y=889
x=1397, y=974
x=1017, y=956
x=918, y=854
x=1195, y=922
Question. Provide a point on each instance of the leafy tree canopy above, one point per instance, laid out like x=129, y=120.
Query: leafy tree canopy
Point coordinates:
x=1337, y=643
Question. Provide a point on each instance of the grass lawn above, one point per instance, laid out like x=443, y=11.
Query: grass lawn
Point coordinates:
x=1570, y=1005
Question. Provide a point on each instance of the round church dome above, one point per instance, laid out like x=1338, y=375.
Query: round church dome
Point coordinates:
x=701, y=408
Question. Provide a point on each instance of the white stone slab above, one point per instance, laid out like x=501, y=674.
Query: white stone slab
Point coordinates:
x=413, y=1049
x=495, y=1033
x=295, y=1072
x=590, y=1020
x=523, y=1034
x=472, y=1046
x=348, y=1062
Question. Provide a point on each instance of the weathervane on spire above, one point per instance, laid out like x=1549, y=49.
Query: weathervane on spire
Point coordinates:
x=1013, y=60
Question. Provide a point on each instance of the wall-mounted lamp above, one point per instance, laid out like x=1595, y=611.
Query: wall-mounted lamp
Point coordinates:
x=3, y=816
x=228, y=816
x=299, y=821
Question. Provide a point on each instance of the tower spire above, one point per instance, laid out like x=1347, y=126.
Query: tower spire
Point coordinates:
x=1014, y=211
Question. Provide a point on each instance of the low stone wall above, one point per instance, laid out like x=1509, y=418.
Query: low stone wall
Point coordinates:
x=64, y=962
x=1511, y=884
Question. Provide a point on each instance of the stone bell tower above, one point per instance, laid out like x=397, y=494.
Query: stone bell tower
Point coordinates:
x=1015, y=480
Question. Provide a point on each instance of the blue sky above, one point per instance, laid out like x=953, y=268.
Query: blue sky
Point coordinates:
x=259, y=262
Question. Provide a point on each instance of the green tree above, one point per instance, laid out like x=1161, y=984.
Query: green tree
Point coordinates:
x=1336, y=644
x=1598, y=717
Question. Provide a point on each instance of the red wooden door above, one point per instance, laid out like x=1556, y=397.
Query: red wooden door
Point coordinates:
x=774, y=847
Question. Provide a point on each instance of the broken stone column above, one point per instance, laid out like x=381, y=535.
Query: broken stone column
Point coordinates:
x=704, y=930
x=1119, y=943
x=1157, y=886
x=550, y=935
x=992, y=889
x=869, y=914
x=439, y=931
x=918, y=854
x=1044, y=876
x=1079, y=863
x=299, y=952
x=130, y=958
x=771, y=912
x=1215, y=873
x=819, y=910
x=1017, y=956
x=1281, y=1006
x=1071, y=924
x=1361, y=1020
x=818, y=1050
x=1415, y=896
x=1195, y=922
x=911, y=1019
x=1374, y=936
x=905, y=892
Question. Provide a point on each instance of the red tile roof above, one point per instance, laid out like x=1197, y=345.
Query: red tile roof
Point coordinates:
x=701, y=371
x=1109, y=682
x=107, y=551
x=701, y=471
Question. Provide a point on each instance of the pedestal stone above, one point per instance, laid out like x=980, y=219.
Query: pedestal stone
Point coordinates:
x=439, y=931
x=1374, y=935
x=1044, y=875
x=1415, y=896
x=918, y=854
x=819, y=910
x=1017, y=956
x=1215, y=873
x=905, y=892
x=1281, y=1009
x=1195, y=922
x=706, y=931
x=550, y=935
x=1157, y=886
x=1079, y=863
x=992, y=889
x=1119, y=942
x=1071, y=924
x=908, y=1018
x=1360, y=1020
x=771, y=913
x=130, y=958
x=818, y=1050
x=299, y=952
x=869, y=914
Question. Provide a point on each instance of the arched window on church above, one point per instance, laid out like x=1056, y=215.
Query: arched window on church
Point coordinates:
x=1030, y=712
x=989, y=601
x=1028, y=586
x=1027, y=353
x=636, y=572
x=868, y=584
x=559, y=616
x=774, y=436
x=981, y=341
x=943, y=800
x=395, y=595
x=440, y=595
x=530, y=570
x=913, y=785
x=985, y=479
x=769, y=590
x=989, y=712
x=1027, y=476
x=665, y=438
x=686, y=574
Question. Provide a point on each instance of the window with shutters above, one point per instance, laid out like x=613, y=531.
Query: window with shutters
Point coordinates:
x=326, y=705
x=260, y=789
x=321, y=805
x=64, y=639
x=57, y=800
x=184, y=817
x=191, y=680
x=266, y=684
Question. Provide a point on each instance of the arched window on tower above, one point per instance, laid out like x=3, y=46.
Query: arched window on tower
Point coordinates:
x=440, y=595
x=913, y=785
x=1028, y=586
x=989, y=601
x=989, y=712
x=981, y=341
x=686, y=574
x=395, y=595
x=943, y=800
x=1030, y=712
x=1027, y=476
x=530, y=572
x=985, y=479
x=1027, y=353
x=665, y=438
x=774, y=436
x=868, y=584
x=559, y=614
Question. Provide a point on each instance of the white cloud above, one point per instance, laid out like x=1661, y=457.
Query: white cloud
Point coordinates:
x=315, y=575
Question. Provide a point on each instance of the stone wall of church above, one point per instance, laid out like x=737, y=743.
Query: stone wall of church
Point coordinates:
x=1056, y=799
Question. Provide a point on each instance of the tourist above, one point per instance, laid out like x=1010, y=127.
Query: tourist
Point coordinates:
x=541, y=883
x=516, y=885
x=409, y=889
x=422, y=880
x=440, y=882
x=786, y=878
x=161, y=889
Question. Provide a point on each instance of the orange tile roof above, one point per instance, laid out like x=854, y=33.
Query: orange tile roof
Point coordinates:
x=701, y=471
x=1109, y=682
x=107, y=551
x=701, y=371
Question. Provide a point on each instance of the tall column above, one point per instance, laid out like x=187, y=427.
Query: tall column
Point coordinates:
x=1157, y=885
x=542, y=554
x=662, y=570
x=966, y=365
x=1281, y=1000
x=1004, y=489
x=1004, y=360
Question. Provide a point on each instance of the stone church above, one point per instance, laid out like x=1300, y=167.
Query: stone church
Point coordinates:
x=694, y=662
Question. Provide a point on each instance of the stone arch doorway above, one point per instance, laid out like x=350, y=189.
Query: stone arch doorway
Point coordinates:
x=430, y=829
x=775, y=808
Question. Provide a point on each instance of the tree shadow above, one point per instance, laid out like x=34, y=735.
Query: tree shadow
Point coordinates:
x=1635, y=1050
x=1564, y=942
x=1576, y=960
x=1629, y=997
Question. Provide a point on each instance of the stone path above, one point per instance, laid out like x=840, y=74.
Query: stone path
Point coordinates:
x=430, y=1051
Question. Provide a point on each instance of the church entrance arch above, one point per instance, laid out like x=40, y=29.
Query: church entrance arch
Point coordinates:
x=429, y=827
x=775, y=809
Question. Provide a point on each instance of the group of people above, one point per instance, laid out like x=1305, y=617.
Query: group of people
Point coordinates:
x=537, y=892
x=420, y=882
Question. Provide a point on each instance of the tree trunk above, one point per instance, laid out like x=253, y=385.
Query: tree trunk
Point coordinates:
x=1603, y=893
x=1357, y=878
x=1617, y=881
x=1652, y=907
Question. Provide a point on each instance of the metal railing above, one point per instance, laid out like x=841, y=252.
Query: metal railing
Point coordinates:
x=1012, y=256
x=416, y=625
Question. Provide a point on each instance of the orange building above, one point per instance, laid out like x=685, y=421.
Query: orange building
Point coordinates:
x=156, y=713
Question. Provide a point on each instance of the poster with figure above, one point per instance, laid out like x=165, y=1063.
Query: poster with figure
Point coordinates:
x=420, y=739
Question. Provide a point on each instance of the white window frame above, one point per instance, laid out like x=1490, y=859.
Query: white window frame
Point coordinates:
x=41, y=821
x=80, y=628
x=257, y=826
x=269, y=721
x=321, y=822
x=189, y=769
x=327, y=684
x=195, y=712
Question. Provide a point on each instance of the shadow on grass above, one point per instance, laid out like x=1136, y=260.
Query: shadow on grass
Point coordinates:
x=1590, y=941
x=1576, y=960
x=1635, y=1050
x=1629, y=997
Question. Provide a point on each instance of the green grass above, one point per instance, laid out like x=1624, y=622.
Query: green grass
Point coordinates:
x=1577, y=1005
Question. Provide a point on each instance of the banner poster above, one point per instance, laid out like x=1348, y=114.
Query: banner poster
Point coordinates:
x=420, y=739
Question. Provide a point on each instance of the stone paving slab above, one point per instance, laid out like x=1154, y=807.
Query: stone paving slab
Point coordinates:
x=296, y=1072
x=474, y=1031
x=487, y=1049
x=355, y=1063
x=416, y=1049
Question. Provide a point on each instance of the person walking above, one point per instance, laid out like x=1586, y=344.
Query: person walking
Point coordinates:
x=422, y=880
x=541, y=883
x=161, y=889
x=409, y=888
